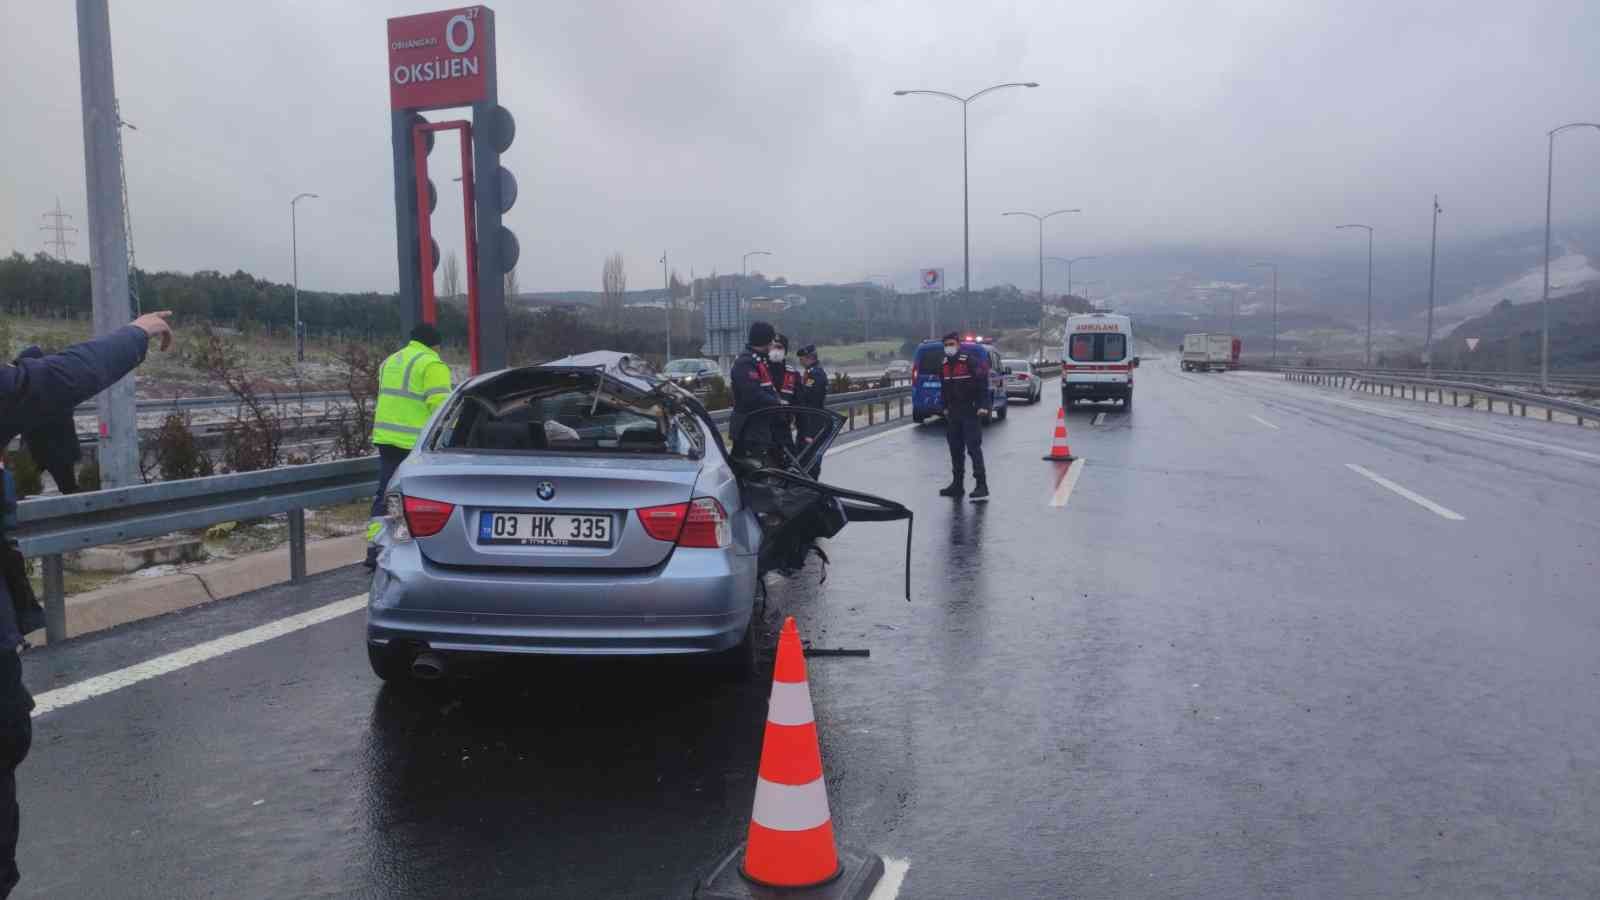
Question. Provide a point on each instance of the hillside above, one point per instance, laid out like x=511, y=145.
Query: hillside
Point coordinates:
x=1508, y=337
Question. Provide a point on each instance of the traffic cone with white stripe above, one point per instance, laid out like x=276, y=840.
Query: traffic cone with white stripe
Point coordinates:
x=1059, y=451
x=791, y=842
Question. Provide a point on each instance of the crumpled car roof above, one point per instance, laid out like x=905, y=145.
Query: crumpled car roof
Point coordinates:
x=634, y=371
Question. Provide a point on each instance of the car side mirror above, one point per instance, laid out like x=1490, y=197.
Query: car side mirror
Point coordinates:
x=1136, y=362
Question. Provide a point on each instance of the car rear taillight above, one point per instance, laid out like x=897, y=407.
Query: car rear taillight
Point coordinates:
x=701, y=522
x=1024, y=376
x=426, y=517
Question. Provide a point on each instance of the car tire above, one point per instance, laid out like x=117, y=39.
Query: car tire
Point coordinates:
x=740, y=663
x=1127, y=402
x=388, y=665
x=1003, y=410
x=916, y=418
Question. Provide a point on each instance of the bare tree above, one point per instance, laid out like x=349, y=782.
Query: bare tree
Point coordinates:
x=613, y=287
x=512, y=288
x=450, y=276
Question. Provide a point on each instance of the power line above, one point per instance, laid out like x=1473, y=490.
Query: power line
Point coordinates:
x=58, y=227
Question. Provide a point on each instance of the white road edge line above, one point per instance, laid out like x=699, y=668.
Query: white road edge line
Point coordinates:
x=1413, y=496
x=894, y=878
x=1266, y=423
x=89, y=688
x=1063, y=491
x=834, y=451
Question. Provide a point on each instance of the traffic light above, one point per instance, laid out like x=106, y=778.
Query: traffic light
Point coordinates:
x=495, y=188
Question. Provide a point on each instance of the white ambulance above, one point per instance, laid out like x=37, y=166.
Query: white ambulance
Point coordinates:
x=1097, y=360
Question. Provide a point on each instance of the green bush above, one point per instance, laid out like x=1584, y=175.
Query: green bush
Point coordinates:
x=89, y=476
x=840, y=384
x=178, y=455
x=25, y=472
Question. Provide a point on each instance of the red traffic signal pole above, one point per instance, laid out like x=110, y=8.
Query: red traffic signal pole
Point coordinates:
x=419, y=139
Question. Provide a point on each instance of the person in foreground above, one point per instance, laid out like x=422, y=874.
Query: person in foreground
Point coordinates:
x=35, y=389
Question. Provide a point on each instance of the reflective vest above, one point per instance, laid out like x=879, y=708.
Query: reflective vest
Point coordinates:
x=411, y=385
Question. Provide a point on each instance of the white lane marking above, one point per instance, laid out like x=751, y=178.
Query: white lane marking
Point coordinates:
x=1099, y=418
x=1265, y=422
x=52, y=700
x=835, y=451
x=894, y=878
x=1407, y=493
x=1063, y=491
x=1462, y=429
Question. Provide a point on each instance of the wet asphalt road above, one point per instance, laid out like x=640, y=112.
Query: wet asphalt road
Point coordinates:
x=1230, y=665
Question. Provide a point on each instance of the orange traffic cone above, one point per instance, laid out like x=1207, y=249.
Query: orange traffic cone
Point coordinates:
x=791, y=831
x=1059, y=451
x=791, y=844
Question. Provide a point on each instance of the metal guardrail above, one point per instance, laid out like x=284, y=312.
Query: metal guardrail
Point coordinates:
x=49, y=527
x=1425, y=389
x=161, y=404
x=1567, y=381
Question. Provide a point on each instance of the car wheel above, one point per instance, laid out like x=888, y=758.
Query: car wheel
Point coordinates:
x=740, y=663
x=388, y=665
x=1127, y=402
x=1003, y=410
x=916, y=418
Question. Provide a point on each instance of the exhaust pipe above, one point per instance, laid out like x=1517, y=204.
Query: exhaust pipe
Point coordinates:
x=428, y=666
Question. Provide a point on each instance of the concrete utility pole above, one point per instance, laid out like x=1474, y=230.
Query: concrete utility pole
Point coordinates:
x=108, y=236
x=294, y=253
x=666, y=282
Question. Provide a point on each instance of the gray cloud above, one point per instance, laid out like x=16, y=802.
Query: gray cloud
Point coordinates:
x=709, y=128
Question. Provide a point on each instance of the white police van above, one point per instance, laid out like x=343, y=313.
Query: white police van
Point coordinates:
x=1097, y=360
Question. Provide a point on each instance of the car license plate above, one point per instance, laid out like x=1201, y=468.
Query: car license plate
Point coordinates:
x=1081, y=386
x=545, y=529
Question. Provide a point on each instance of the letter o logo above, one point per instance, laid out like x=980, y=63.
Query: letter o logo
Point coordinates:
x=402, y=75
x=450, y=34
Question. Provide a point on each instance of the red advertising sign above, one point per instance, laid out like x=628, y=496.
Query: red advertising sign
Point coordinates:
x=440, y=59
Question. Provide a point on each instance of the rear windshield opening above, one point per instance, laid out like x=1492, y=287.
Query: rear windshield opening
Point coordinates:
x=1098, y=347
x=930, y=359
x=562, y=413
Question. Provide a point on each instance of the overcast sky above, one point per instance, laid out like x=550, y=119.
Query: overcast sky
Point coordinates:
x=709, y=128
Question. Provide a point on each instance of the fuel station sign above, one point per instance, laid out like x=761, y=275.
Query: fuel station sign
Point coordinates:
x=440, y=59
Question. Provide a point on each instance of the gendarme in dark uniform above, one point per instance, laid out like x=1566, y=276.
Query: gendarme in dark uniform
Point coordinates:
x=812, y=393
x=965, y=391
x=751, y=384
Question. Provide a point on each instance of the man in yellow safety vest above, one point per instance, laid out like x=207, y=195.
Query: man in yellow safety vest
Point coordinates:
x=412, y=383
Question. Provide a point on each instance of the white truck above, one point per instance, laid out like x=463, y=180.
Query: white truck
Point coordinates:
x=1208, y=352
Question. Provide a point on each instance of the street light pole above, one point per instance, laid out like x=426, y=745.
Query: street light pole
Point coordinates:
x=1433, y=259
x=1040, y=220
x=666, y=283
x=1274, y=268
x=966, y=231
x=294, y=253
x=744, y=264
x=1369, y=288
x=1544, y=306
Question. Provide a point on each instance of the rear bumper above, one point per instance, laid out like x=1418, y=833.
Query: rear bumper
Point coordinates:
x=698, y=602
x=1095, y=390
x=1020, y=390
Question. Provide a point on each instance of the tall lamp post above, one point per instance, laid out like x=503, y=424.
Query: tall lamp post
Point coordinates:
x=966, y=232
x=1274, y=268
x=1433, y=259
x=744, y=264
x=1036, y=217
x=1544, y=314
x=1369, y=287
x=866, y=306
x=294, y=252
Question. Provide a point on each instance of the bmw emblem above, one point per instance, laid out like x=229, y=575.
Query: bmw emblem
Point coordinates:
x=545, y=490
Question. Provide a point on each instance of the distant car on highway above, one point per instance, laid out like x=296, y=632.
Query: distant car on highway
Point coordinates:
x=589, y=507
x=927, y=380
x=693, y=374
x=1022, y=380
x=1097, y=361
x=899, y=370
